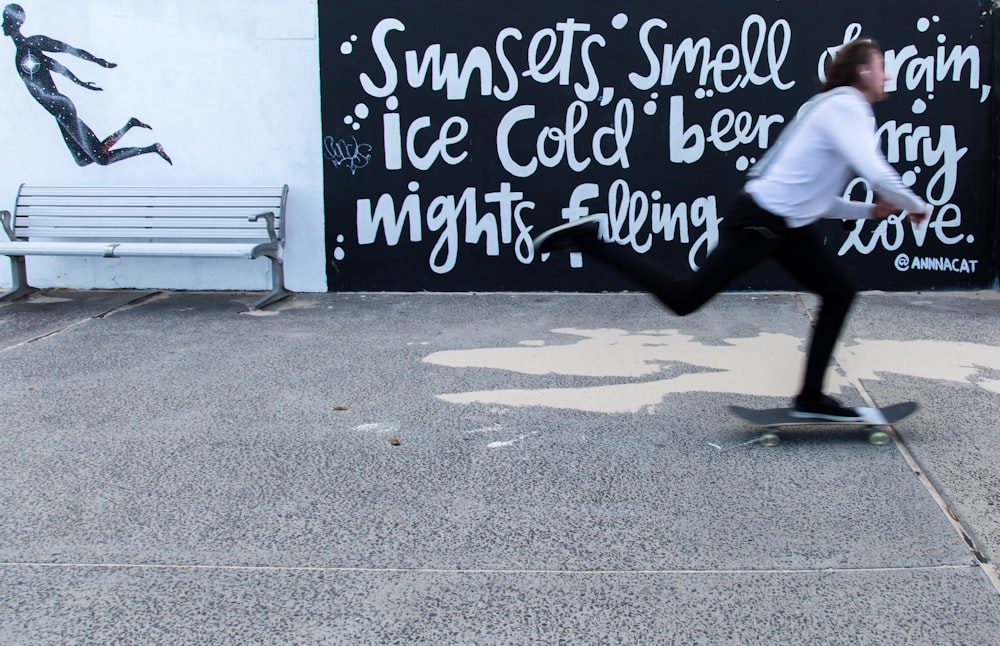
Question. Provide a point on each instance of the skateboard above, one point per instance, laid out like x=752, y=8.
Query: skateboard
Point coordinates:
x=770, y=419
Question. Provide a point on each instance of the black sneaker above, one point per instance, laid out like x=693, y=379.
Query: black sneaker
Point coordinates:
x=823, y=407
x=570, y=236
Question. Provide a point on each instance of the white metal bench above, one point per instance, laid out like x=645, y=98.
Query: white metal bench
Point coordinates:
x=146, y=221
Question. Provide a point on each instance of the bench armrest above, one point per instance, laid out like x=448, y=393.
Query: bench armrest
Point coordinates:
x=270, y=224
x=6, y=222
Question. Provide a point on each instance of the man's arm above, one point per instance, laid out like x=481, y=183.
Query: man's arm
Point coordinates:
x=851, y=128
x=859, y=145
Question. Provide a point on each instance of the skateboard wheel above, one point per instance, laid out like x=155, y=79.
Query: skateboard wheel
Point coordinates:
x=879, y=438
x=770, y=438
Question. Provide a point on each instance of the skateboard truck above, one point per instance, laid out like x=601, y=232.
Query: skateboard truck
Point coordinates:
x=876, y=436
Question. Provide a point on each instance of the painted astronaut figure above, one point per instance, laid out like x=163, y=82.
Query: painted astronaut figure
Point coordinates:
x=35, y=70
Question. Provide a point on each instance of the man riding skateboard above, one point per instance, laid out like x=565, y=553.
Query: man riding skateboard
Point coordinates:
x=799, y=181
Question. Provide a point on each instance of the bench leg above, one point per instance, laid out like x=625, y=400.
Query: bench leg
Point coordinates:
x=278, y=290
x=20, y=287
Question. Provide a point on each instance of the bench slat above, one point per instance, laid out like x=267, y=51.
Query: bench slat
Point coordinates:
x=182, y=250
x=190, y=222
x=153, y=191
x=105, y=201
x=140, y=212
x=147, y=233
x=134, y=249
x=54, y=248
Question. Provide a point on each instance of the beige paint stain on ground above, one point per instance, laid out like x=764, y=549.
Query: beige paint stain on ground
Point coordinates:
x=767, y=365
x=943, y=360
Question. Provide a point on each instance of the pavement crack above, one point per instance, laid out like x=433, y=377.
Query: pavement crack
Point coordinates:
x=800, y=304
x=135, y=302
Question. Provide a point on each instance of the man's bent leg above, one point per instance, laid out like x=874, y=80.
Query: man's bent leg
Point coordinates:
x=736, y=253
x=748, y=235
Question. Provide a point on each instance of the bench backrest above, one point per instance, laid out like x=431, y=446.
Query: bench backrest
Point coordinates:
x=147, y=212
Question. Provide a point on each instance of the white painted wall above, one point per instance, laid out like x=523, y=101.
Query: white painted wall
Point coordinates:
x=231, y=89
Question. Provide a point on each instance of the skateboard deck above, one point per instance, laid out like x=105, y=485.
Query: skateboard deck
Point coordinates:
x=770, y=419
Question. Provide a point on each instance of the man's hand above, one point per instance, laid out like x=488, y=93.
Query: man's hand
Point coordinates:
x=919, y=218
x=882, y=209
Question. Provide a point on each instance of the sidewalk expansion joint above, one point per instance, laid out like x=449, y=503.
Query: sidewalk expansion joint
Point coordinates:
x=486, y=571
x=959, y=525
x=964, y=532
x=136, y=302
x=101, y=315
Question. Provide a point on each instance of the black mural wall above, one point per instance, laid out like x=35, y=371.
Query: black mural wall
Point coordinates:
x=454, y=131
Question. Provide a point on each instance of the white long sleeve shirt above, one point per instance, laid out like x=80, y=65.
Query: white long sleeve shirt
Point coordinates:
x=833, y=135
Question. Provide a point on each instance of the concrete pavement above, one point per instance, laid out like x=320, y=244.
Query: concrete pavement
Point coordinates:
x=490, y=469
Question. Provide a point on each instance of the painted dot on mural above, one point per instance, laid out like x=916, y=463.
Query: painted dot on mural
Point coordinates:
x=339, y=254
x=348, y=120
x=413, y=187
x=970, y=239
x=942, y=38
x=649, y=108
x=391, y=103
x=909, y=178
x=742, y=163
x=361, y=110
x=699, y=93
x=656, y=195
x=923, y=25
x=346, y=48
x=619, y=21
x=356, y=126
x=936, y=19
x=919, y=107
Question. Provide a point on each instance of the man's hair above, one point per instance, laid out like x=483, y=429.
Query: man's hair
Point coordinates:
x=843, y=69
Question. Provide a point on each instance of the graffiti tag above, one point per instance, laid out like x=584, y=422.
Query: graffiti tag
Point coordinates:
x=342, y=153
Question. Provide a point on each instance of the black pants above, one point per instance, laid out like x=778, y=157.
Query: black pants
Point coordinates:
x=747, y=236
